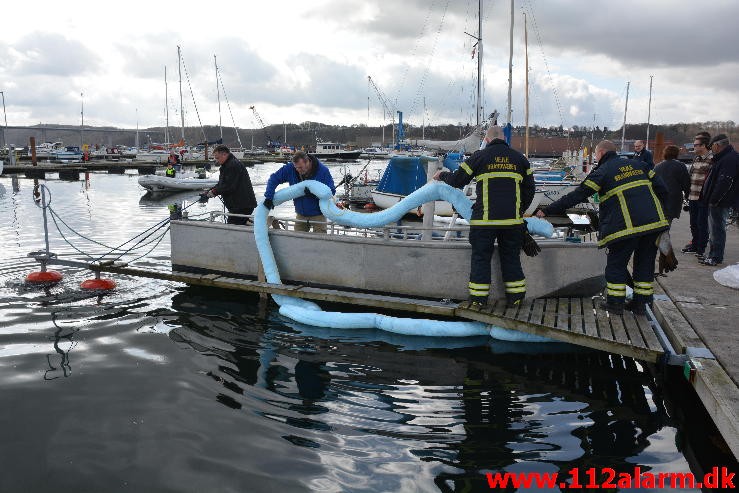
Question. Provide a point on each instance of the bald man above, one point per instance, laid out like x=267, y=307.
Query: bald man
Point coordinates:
x=631, y=218
x=505, y=188
x=641, y=153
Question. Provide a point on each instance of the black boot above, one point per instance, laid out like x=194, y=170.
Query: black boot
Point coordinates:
x=637, y=308
x=478, y=302
x=614, y=308
x=514, y=300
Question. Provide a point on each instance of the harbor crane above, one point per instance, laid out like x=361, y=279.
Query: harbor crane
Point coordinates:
x=271, y=143
x=385, y=108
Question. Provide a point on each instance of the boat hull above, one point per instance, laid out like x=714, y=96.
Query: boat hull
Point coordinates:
x=423, y=269
x=338, y=155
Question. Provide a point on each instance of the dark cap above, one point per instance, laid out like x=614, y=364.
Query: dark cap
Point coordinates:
x=720, y=139
x=221, y=148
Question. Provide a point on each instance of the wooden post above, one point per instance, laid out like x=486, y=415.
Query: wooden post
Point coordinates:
x=659, y=147
x=429, y=208
x=33, y=151
x=206, y=150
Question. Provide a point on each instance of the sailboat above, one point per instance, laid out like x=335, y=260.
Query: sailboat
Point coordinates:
x=393, y=260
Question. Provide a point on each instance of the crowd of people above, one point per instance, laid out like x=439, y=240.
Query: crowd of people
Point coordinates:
x=638, y=202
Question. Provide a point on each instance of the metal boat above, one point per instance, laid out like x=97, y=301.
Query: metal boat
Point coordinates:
x=394, y=260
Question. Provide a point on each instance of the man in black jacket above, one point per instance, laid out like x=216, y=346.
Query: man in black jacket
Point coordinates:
x=505, y=188
x=641, y=153
x=234, y=185
x=720, y=192
x=631, y=219
x=676, y=177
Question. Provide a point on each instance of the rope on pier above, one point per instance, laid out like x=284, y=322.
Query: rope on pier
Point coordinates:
x=309, y=313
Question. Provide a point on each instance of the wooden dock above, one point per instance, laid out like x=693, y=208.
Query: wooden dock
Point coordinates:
x=574, y=320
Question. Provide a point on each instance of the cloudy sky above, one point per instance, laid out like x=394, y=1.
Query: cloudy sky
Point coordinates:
x=309, y=60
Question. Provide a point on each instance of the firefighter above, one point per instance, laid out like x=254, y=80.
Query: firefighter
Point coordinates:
x=170, y=171
x=631, y=218
x=505, y=188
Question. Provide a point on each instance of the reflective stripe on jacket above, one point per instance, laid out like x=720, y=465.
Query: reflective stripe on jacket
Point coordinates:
x=631, y=198
x=505, y=185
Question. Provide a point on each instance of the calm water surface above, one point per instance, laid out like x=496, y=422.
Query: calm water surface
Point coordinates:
x=163, y=387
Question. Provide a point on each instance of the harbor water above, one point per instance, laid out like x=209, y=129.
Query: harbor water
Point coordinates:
x=158, y=386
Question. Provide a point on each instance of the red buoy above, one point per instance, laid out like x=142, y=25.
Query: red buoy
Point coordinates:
x=45, y=277
x=98, y=284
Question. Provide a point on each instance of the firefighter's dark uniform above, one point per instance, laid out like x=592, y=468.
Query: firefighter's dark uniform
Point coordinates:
x=505, y=188
x=631, y=219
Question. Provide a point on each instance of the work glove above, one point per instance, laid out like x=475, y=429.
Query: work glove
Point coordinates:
x=269, y=204
x=308, y=193
x=203, y=198
x=530, y=247
x=686, y=206
x=211, y=194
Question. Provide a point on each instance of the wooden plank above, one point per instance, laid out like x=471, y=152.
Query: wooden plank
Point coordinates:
x=525, y=311
x=537, y=311
x=550, y=312
x=604, y=322
x=616, y=347
x=647, y=331
x=576, y=315
x=318, y=294
x=563, y=313
x=590, y=325
x=619, y=333
x=632, y=329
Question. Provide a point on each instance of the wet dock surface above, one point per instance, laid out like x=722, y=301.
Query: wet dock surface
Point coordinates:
x=701, y=313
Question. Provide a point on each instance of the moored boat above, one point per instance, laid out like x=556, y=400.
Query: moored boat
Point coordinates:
x=159, y=183
x=333, y=150
x=390, y=260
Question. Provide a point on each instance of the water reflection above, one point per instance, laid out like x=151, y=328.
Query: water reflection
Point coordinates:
x=460, y=412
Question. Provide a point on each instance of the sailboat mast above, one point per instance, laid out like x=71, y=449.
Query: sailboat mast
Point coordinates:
x=510, y=69
x=649, y=110
x=218, y=92
x=423, y=120
x=182, y=114
x=526, y=51
x=166, y=108
x=137, y=128
x=479, y=61
x=626, y=108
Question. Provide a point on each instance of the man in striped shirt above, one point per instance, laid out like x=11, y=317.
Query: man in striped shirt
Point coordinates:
x=699, y=210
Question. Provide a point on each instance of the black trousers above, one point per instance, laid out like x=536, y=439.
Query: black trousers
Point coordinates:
x=644, y=250
x=510, y=241
x=239, y=220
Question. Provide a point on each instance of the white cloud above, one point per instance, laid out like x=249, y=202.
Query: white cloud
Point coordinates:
x=299, y=61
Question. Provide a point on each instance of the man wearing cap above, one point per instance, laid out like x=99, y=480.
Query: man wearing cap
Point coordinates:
x=720, y=192
x=234, y=186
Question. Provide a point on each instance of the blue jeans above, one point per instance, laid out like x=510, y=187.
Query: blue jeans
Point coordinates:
x=699, y=225
x=717, y=217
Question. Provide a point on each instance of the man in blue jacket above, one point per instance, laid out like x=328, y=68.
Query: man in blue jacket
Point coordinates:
x=303, y=167
x=720, y=192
